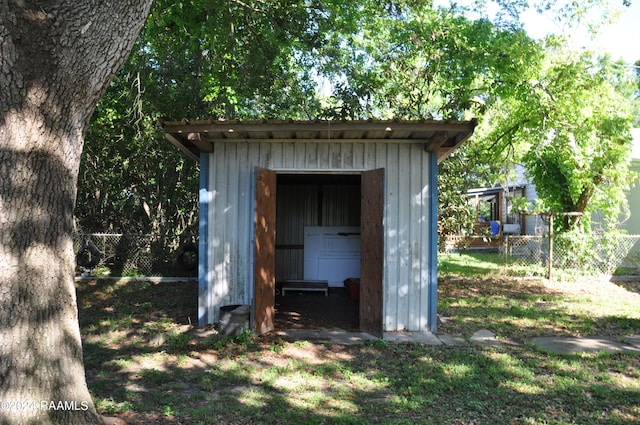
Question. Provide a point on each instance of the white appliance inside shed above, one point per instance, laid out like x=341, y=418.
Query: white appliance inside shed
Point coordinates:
x=331, y=253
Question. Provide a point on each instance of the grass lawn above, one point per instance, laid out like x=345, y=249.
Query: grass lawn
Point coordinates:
x=483, y=264
x=146, y=363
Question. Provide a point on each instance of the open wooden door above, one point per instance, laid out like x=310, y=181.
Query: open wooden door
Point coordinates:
x=264, y=276
x=371, y=255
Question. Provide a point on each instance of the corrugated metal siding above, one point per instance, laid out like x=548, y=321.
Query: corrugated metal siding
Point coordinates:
x=406, y=223
x=341, y=206
x=296, y=207
x=406, y=240
x=300, y=205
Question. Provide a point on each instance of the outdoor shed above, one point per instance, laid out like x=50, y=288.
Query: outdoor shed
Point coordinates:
x=363, y=194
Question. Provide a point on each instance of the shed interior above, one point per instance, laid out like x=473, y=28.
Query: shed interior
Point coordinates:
x=306, y=201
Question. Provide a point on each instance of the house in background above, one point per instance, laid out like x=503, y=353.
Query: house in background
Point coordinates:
x=495, y=203
x=632, y=224
x=320, y=200
x=496, y=211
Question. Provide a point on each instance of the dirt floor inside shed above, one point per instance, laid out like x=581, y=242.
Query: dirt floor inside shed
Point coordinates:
x=312, y=310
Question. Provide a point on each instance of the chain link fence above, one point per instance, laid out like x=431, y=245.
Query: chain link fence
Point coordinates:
x=113, y=254
x=588, y=254
x=109, y=254
x=525, y=250
x=600, y=254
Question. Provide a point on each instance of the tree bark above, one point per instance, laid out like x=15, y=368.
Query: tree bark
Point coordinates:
x=56, y=60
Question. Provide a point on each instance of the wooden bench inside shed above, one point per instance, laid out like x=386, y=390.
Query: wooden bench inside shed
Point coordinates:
x=305, y=285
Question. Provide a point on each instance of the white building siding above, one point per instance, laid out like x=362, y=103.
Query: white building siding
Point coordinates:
x=632, y=225
x=534, y=225
x=407, y=204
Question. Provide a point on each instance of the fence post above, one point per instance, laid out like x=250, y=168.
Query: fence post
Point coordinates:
x=505, y=248
x=550, y=256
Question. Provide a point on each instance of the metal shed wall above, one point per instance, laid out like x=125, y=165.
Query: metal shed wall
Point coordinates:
x=410, y=242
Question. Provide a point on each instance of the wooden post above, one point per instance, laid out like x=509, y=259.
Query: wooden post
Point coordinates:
x=505, y=249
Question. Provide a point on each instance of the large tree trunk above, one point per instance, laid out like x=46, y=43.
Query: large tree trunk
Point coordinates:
x=56, y=59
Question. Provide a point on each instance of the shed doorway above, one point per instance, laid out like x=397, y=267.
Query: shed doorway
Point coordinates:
x=350, y=204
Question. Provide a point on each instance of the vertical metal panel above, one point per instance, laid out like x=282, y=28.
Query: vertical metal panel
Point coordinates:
x=425, y=197
x=230, y=232
x=311, y=155
x=323, y=155
x=248, y=215
x=347, y=155
x=219, y=260
x=392, y=284
x=407, y=238
x=422, y=253
x=203, y=241
x=215, y=297
x=416, y=214
x=245, y=202
x=431, y=242
x=296, y=208
x=277, y=154
x=407, y=218
x=341, y=206
x=335, y=160
x=231, y=229
x=358, y=156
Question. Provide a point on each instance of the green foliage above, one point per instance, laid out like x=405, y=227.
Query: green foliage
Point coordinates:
x=466, y=264
x=586, y=254
x=198, y=59
x=412, y=60
x=456, y=215
x=571, y=129
x=636, y=96
x=234, y=59
x=129, y=182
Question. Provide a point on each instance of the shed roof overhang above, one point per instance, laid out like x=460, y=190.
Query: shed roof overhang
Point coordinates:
x=440, y=137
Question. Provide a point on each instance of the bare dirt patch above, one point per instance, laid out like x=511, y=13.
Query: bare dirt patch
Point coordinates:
x=599, y=288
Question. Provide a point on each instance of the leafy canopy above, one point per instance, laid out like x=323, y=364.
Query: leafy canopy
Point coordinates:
x=572, y=132
x=309, y=59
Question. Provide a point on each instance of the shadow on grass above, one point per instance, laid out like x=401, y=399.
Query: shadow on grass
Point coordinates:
x=519, y=310
x=106, y=305
x=631, y=286
x=371, y=383
x=211, y=379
